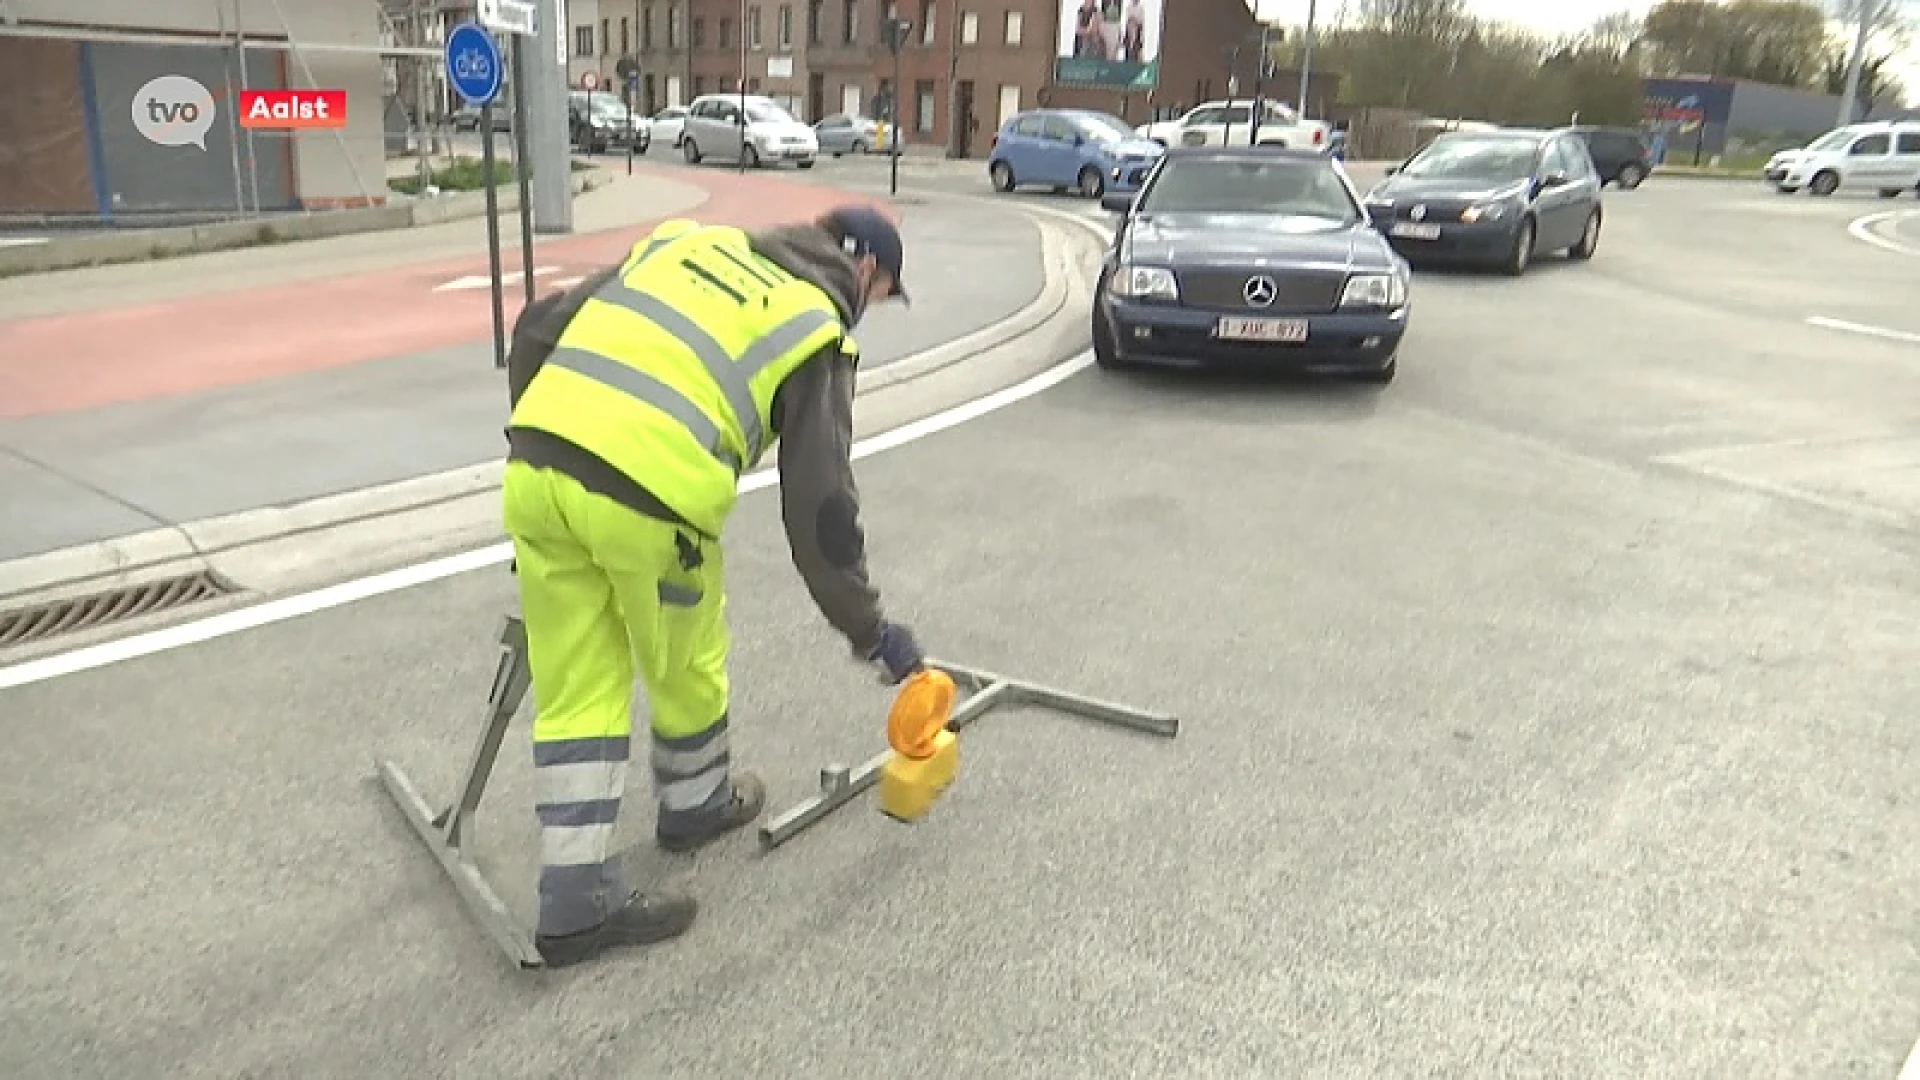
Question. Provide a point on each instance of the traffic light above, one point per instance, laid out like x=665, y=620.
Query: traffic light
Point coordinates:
x=897, y=31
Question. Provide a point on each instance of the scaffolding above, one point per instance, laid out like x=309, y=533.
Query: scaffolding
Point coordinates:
x=409, y=33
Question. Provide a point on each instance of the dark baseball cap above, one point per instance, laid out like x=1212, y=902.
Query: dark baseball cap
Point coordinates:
x=863, y=230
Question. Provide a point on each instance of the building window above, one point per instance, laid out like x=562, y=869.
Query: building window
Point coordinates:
x=699, y=85
x=969, y=28
x=726, y=33
x=583, y=41
x=606, y=36
x=1014, y=20
x=753, y=28
x=923, y=106
x=673, y=26
x=646, y=29
x=815, y=13
x=850, y=22
x=926, y=21
x=783, y=28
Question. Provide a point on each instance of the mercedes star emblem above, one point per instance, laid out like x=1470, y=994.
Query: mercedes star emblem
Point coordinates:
x=1418, y=213
x=1259, y=291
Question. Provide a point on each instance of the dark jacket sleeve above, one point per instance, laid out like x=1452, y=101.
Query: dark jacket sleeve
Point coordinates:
x=538, y=330
x=818, y=497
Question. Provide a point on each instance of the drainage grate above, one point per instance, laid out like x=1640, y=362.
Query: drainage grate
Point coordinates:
x=26, y=626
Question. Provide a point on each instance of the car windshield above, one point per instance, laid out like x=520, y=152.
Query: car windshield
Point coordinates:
x=1497, y=160
x=1103, y=128
x=762, y=113
x=1242, y=186
x=606, y=103
x=1832, y=140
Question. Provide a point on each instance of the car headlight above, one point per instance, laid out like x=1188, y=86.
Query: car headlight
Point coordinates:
x=1483, y=212
x=1144, y=283
x=1375, y=290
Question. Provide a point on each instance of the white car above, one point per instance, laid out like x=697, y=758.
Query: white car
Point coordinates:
x=667, y=124
x=1229, y=123
x=766, y=134
x=1882, y=157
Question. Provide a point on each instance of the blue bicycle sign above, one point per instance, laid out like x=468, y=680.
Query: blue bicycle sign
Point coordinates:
x=473, y=63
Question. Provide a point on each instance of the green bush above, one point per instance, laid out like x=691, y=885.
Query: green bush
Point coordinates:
x=463, y=174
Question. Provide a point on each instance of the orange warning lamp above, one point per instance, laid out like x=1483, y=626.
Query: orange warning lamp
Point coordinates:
x=925, y=754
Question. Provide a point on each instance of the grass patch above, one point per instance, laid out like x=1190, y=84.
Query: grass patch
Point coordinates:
x=462, y=174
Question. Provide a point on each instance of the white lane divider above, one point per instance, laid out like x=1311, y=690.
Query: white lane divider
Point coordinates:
x=1866, y=230
x=243, y=619
x=1863, y=329
x=481, y=281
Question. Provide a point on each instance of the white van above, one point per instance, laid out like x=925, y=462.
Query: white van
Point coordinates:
x=1882, y=156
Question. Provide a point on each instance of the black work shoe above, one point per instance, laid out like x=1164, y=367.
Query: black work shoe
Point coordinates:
x=646, y=919
x=749, y=798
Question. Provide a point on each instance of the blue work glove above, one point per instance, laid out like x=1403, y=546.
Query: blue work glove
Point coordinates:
x=897, y=655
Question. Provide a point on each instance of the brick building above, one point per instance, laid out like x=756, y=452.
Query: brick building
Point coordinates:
x=983, y=59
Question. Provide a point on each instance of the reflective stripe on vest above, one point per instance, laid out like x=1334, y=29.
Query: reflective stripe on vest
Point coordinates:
x=732, y=375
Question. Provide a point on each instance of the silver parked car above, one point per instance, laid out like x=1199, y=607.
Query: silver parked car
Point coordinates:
x=765, y=134
x=845, y=134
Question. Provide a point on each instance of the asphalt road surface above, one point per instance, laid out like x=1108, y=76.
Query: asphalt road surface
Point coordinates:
x=1546, y=714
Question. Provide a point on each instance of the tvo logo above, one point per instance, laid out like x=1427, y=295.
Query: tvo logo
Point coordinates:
x=173, y=110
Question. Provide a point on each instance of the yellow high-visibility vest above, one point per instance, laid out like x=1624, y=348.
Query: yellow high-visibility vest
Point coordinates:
x=668, y=372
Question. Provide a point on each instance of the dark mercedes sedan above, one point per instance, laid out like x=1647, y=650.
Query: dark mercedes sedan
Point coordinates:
x=1492, y=198
x=1252, y=255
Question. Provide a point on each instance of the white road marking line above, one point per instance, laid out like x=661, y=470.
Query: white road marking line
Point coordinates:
x=481, y=281
x=1911, y=1070
x=1862, y=328
x=1862, y=228
x=566, y=282
x=21, y=241
x=240, y=620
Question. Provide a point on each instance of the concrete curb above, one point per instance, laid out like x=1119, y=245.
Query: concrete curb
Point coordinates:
x=428, y=515
x=142, y=245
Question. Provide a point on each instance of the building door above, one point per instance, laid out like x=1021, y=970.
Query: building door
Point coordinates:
x=963, y=120
x=673, y=91
x=850, y=99
x=816, y=96
x=1009, y=105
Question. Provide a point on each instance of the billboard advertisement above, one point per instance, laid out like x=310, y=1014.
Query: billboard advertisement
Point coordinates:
x=1112, y=43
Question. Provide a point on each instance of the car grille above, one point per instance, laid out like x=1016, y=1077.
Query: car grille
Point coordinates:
x=1436, y=211
x=1296, y=292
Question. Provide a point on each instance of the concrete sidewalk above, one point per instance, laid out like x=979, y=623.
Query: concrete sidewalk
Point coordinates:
x=82, y=483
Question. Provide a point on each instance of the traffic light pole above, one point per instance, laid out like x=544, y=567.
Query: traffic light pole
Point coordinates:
x=897, y=30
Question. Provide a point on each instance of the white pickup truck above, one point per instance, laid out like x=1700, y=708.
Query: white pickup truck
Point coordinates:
x=1229, y=123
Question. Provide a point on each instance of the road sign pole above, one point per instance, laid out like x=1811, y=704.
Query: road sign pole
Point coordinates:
x=520, y=159
x=548, y=151
x=473, y=69
x=493, y=236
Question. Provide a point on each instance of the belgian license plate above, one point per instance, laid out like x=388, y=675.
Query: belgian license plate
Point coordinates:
x=1416, y=232
x=1261, y=329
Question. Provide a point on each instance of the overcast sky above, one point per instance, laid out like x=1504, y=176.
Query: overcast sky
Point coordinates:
x=1557, y=16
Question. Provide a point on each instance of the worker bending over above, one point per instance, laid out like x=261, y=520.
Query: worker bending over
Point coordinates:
x=639, y=399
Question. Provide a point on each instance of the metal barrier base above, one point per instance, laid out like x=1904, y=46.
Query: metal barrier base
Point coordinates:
x=839, y=785
x=448, y=834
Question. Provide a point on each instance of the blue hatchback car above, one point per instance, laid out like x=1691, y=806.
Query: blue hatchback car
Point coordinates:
x=1078, y=149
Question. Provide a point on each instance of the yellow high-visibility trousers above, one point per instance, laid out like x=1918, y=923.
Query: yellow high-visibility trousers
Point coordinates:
x=606, y=593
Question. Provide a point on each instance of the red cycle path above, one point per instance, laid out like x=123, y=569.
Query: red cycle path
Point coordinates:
x=61, y=363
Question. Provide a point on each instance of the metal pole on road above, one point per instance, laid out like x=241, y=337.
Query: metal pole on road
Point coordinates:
x=520, y=159
x=740, y=157
x=1865, y=12
x=1306, y=57
x=487, y=159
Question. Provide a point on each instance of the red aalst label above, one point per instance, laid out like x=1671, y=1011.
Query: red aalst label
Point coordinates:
x=293, y=108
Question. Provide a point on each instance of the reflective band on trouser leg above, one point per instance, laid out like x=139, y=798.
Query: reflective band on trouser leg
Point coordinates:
x=732, y=375
x=687, y=690
x=582, y=667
